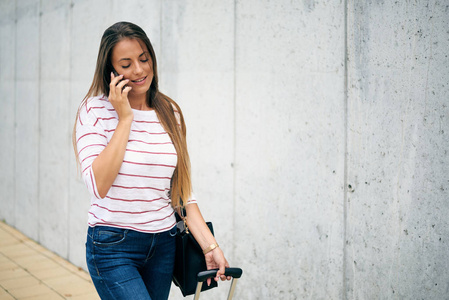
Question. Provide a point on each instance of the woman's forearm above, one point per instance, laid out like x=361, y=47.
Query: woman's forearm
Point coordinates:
x=107, y=165
x=198, y=227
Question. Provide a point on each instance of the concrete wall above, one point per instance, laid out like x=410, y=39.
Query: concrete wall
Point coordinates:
x=398, y=96
x=317, y=132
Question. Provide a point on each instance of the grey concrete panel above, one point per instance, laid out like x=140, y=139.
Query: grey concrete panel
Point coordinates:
x=27, y=118
x=78, y=206
x=289, y=149
x=7, y=110
x=84, y=51
x=89, y=19
x=54, y=129
x=79, y=198
x=397, y=144
x=196, y=70
x=144, y=13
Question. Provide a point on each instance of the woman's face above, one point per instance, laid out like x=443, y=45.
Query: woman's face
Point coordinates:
x=130, y=58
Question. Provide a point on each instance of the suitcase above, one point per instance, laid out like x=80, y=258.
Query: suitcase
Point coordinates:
x=235, y=273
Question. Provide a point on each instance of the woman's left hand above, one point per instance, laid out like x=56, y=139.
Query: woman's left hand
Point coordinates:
x=215, y=260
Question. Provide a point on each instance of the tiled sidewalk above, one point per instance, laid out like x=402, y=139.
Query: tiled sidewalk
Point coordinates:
x=29, y=271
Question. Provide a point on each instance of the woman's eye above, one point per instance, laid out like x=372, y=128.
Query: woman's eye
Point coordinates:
x=144, y=60
x=125, y=67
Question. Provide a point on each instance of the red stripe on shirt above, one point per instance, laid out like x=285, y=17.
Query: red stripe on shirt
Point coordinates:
x=138, y=131
x=148, y=143
x=94, y=107
x=147, y=164
x=95, y=133
x=131, y=212
x=92, y=145
x=143, y=176
x=160, y=153
x=94, y=155
x=144, y=131
x=138, y=188
x=136, y=200
x=104, y=119
x=149, y=122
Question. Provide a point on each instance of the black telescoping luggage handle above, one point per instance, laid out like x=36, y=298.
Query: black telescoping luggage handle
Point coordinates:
x=233, y=272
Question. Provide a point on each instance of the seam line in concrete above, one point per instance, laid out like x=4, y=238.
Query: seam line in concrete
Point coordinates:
x=234, y=156
x=346, y=134
x=70, y=127
x=15, y=116
x=39, y=126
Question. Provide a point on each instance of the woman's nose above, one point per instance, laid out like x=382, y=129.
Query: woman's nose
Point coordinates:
x=138, y=69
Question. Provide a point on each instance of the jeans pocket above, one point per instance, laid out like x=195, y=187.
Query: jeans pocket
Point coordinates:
x=109, y=236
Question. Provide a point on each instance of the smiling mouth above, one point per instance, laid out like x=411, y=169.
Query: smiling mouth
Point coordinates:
x=139, y=80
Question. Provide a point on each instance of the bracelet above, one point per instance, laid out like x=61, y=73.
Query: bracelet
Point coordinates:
x=210, y=248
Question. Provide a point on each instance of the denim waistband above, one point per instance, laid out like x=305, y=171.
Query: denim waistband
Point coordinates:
x=91, y=230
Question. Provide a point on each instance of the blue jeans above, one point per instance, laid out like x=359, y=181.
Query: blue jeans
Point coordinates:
x=127, y=264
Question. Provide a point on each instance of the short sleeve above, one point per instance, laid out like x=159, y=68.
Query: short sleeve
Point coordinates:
x=192, y=199
x=91, y=139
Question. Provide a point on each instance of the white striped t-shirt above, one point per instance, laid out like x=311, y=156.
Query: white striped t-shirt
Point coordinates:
x=139, y=197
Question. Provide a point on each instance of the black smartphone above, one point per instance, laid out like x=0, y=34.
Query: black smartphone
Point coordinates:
x=116, y=74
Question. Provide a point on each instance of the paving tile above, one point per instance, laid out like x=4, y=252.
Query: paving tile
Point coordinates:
x=6, y=296
x=70, y=285
x=26, y=259
x=31, y=291
x=64, y=263
x=51, y=296
x=36, y=246
x=7, y=239
x=90, y=296
x=21, y=282
x=83, y=274
x=12, y=273
x=48, y=273
x=16, y=250
x=35, y=261
x=12, y=231
x=6, y=264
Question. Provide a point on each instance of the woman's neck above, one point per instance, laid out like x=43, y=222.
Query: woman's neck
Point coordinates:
x=138, y=103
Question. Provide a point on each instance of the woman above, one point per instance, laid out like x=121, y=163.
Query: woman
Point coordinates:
x=130, y=140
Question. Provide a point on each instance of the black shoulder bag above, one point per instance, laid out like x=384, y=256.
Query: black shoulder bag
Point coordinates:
x=189, y=259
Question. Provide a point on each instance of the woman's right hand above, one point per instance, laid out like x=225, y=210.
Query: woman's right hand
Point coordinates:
x=118, y=97
x=108, y=163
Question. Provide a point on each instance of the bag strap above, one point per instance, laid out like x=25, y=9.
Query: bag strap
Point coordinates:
x=181, y=215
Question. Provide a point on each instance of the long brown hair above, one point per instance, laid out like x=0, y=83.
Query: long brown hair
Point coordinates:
x=181, y=187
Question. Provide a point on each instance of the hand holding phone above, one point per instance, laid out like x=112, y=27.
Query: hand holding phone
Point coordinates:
x=118, y=96
x=117, y=75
